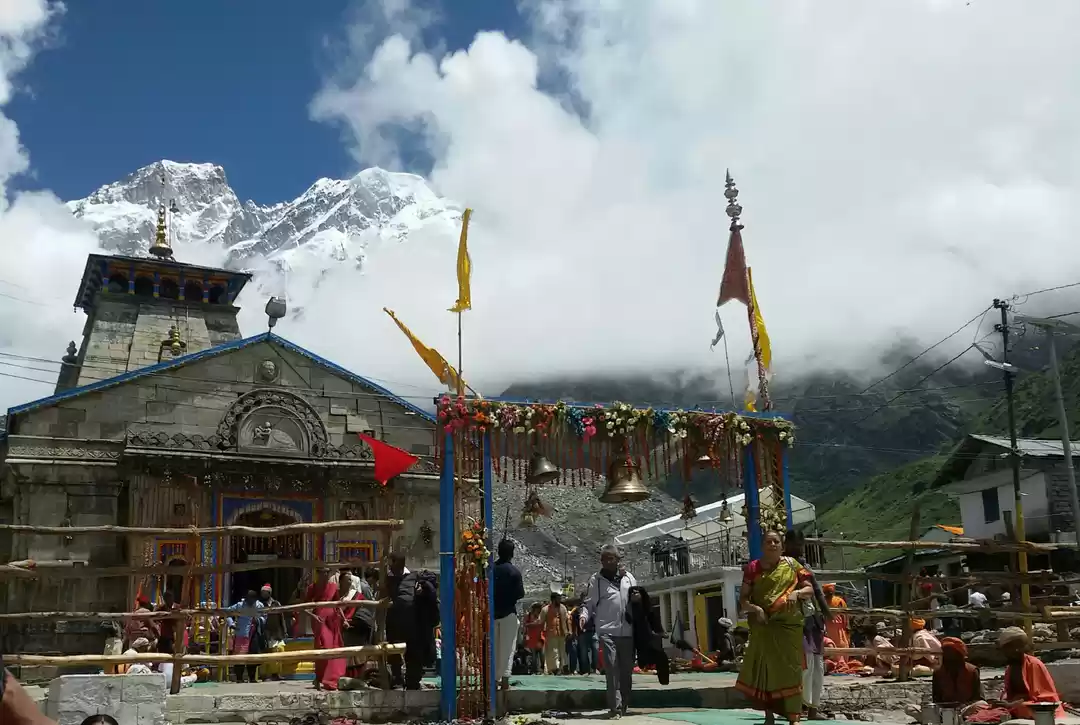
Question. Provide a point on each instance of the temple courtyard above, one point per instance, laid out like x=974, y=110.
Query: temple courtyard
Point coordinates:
x=697, y=698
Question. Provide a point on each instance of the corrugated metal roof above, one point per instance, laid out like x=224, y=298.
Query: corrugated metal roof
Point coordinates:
x=1036, y=447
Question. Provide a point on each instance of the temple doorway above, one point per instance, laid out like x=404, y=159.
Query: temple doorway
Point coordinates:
x=174, y=582
x=252, y=549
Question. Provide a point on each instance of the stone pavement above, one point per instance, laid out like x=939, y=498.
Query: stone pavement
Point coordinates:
x=852, y=697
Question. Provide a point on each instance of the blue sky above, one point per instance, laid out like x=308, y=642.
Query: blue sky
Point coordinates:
x=130, y=82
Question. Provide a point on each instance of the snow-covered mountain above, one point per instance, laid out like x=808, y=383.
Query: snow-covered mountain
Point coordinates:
x=331, y=223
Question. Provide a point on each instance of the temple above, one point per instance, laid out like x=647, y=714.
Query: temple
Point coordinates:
x=165, y=416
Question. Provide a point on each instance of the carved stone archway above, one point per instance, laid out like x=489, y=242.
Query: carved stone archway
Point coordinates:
x=273, y=421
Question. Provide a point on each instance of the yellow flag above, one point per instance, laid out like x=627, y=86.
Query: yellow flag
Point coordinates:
x=464, y=267
x=764, y=346
x=761, y=360
x=432, y=358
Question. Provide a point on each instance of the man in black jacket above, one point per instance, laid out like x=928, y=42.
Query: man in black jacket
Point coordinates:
x=644, y=618
x=509, y=590
x=411, y=619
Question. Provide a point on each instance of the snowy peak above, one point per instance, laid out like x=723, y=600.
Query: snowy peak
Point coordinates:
x=332, y=224
x=190, y=181
x=211, y=221
x=124, y=213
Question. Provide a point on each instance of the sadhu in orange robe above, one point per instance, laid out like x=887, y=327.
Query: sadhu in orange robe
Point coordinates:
x=836, y=628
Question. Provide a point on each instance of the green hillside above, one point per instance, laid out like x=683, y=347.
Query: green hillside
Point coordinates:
x=1036, y=407
x=881, y=510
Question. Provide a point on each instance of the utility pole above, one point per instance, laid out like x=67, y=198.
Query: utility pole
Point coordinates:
x=1050, y=326
x=1009, y=371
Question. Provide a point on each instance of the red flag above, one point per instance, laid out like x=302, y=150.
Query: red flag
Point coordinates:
x=389, y=461
x=733, y=286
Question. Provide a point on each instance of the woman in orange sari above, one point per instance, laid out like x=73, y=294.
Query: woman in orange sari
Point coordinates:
x=326, y=624
x=773, y=590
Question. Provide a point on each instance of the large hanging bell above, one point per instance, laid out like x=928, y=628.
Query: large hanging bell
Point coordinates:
x=624, y=484
x=541, y=471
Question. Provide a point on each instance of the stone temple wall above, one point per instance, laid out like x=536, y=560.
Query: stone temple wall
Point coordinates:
x=129, y=699
x=65, y=465
x=57, y=496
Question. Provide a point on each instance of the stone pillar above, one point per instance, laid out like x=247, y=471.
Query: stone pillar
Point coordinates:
x=691, y=620
x=665, y=611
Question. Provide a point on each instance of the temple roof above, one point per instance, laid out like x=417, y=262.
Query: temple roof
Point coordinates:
x=222, y=349
x=99, y=267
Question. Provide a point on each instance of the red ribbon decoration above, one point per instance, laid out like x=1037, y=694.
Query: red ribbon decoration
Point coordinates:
x=389, y=460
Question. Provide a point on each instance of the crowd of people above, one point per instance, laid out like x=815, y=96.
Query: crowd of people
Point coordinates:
x=612, y=628
x=411, y=618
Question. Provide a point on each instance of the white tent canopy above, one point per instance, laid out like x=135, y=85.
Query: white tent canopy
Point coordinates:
x=707, y=522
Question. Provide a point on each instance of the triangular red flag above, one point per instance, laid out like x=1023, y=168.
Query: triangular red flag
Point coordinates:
x=733, y=286
x=389, y=461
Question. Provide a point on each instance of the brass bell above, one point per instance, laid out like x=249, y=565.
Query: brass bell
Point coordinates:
x=624, y=484
x=541, y=471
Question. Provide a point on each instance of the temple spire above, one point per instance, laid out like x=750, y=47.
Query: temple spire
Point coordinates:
x=162, y=248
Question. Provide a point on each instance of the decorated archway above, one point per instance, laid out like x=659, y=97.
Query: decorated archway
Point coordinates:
x=253, y=549
x=619, y=449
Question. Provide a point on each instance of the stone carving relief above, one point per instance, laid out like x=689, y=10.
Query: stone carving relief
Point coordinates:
x=273, y=421
x=49, y=452
x=271, y=429
x=268, y=371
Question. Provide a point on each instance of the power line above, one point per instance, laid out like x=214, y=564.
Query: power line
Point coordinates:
x=163, y=374
x=21, y=299
x=1049, y=289
x=937, y=344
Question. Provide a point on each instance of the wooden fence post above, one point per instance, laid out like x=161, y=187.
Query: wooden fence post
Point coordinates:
x=905, y=596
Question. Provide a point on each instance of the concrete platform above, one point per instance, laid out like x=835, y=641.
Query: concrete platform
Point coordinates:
x=281, y=701
x=223, y=703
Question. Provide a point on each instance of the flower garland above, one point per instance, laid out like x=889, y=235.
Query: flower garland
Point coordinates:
x=617, y=421
x=474, y=548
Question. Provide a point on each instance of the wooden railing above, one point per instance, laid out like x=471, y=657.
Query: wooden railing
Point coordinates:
x=180, y=618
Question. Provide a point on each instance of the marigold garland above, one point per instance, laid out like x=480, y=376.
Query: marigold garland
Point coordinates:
x=474, y=549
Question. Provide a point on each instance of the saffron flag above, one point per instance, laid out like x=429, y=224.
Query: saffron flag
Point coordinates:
x=464, y=267
x=390, y=461
x=734, y=284
x=431, y=357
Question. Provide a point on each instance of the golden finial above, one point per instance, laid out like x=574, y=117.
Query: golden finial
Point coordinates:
x=161, y=247
x=173, y=343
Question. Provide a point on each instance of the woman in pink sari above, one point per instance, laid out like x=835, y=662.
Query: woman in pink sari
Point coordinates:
x=326, y=628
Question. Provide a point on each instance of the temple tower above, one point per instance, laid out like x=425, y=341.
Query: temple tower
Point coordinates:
x=144, y=310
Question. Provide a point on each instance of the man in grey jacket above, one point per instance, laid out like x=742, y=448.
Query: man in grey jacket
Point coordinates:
x=606, y=602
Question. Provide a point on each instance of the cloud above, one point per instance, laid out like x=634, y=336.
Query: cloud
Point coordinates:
x=42, y=247
x=901, y=164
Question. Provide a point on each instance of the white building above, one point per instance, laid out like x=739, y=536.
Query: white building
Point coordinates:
x=978, y=475
x=695, y=567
